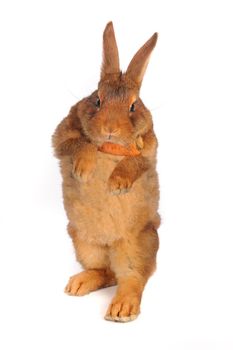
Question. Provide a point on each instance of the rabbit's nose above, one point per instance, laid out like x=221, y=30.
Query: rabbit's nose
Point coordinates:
x=110, y=131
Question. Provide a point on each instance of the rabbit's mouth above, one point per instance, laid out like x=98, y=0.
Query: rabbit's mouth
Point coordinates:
x=113, y=140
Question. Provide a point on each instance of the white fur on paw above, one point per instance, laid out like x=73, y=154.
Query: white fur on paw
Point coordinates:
x=122, y=319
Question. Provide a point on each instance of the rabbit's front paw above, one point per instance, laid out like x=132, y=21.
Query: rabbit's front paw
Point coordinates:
x=119, y=184
x=83, y=168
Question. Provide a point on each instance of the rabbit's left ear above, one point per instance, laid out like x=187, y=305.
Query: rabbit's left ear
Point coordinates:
x=110, y=63
x=138, y=64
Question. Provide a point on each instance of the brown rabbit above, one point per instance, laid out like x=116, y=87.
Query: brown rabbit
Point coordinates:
x=107, y=151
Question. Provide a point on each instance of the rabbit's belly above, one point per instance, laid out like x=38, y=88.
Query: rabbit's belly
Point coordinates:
x=101, y=217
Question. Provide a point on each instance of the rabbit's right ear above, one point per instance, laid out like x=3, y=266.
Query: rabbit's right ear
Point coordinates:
x=138, y=64
x=110, y=63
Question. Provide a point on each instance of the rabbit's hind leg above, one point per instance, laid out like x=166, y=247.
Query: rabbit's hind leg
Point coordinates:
x=133, y=261
x=94, y=258
x=89, y=281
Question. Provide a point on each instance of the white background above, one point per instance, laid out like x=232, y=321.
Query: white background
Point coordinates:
x=50, y=57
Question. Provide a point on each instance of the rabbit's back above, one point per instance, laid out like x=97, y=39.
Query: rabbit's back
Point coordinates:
x=101, y=217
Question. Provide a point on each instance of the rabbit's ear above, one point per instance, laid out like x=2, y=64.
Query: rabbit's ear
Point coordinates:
x=138, y=64
x=110, y=52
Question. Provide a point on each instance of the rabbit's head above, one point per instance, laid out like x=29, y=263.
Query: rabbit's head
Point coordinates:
x=114, y=112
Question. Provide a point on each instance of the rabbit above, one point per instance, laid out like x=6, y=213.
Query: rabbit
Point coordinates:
x=107, y=151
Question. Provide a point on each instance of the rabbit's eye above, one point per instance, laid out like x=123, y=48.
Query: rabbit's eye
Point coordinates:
x=97, y=103
x=132, y=107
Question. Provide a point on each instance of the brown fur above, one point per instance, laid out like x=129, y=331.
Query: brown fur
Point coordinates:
x=111, y=201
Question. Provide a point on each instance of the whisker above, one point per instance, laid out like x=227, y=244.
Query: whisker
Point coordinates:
x=71, y=93
x=155, y=108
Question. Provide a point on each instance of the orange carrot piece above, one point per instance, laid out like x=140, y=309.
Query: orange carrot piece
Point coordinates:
x=119, y=150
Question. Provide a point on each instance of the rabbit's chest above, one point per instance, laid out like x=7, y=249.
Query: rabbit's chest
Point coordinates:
x=99, y=215
x=95, y=194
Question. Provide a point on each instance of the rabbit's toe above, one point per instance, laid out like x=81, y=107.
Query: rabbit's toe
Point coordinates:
x=83, y=169
x=119, y=185
x=123, y=309
x=88, y=281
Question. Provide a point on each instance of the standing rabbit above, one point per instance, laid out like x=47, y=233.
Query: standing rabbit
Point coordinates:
x=107, y=151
